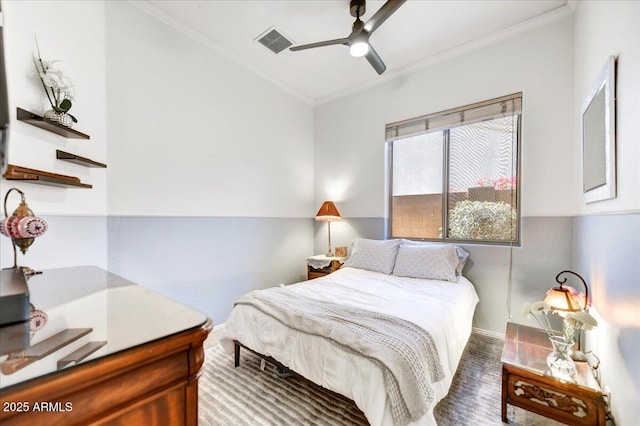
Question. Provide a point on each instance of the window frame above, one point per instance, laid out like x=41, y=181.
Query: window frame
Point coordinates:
x=445, y=175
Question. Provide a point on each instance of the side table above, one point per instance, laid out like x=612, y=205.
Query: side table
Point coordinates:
x=527, y=382
x=321, y=265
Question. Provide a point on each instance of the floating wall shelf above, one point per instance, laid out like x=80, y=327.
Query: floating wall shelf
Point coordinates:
x=80, y=354
x=46, y=178
x=43, y=123
x=73, y=158
x=44, y=348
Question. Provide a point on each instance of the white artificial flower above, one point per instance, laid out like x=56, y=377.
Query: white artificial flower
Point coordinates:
x=56, y=80
x=526, y=310
x=540, y=306
x=70, y=93
x=581, y=320
x=52, y=80
x=46, y=64
x=57, y=85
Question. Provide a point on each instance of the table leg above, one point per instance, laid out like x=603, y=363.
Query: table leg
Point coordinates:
x=236, y=353
x=505, y=381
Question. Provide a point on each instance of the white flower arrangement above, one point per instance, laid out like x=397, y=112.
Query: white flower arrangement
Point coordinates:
x=581, y=320
x=57, y=86
x=572, y=323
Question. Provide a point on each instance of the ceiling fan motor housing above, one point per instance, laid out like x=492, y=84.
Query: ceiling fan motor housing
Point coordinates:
x=357, y=26
x=357, y=8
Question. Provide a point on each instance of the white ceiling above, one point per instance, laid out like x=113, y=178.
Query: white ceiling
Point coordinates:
x=418, y=31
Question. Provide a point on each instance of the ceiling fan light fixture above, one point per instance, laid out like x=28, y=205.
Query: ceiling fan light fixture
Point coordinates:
x=358, y=40
x=359, y=49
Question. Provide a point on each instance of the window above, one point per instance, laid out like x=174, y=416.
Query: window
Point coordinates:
x=457, y=171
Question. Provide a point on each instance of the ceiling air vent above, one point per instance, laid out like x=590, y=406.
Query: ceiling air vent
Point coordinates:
x=274, y=40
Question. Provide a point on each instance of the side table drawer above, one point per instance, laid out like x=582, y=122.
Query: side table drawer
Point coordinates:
x=316, y=274
x=560, y=403
x=321, y=272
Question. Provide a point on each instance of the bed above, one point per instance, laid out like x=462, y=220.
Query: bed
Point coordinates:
x=442, y=309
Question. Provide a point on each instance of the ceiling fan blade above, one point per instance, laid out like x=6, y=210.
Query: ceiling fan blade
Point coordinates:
x=375, y=60
x=382, y=15
x=320, y=44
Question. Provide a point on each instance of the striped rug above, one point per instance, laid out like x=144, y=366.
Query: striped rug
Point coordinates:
x=248, y=395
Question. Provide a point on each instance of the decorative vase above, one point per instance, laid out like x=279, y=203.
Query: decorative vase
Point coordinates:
x=59, y=117
x=559, y=360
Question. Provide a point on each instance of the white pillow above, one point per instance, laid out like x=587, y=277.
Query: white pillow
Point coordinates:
x=427, y=261
x=373, y=255
x=462, y=254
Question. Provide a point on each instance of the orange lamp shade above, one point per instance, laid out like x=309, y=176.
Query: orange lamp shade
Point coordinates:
x=566, y=298
x=562, y=299
x=328, y=212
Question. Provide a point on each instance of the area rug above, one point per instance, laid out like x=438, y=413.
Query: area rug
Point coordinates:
x=249, y=395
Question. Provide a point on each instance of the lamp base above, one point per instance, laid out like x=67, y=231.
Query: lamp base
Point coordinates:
x=330, y=254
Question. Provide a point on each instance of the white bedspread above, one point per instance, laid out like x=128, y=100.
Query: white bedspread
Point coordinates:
x=443, y=308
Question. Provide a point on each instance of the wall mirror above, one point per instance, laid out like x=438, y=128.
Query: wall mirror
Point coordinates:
x=599, y=137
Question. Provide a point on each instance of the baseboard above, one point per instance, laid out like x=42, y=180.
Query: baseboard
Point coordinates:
x=488, y=333
x=214, y=337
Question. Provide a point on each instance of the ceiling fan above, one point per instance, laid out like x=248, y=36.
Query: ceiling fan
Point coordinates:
x=358, y=40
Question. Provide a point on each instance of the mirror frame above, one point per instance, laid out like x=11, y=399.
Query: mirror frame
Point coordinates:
x=4, y=104
x=605, y=83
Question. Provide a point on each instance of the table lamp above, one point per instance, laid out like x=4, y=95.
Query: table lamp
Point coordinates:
x=564, y=300
x=328, y=213
x=22, y=226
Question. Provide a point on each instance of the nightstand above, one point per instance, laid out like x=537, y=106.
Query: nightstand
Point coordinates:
x=527, y=382
x=321, y=265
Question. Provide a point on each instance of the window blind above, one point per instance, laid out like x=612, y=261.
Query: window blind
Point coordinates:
x=488, y=110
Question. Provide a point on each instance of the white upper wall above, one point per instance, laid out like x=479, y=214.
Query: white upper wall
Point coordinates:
x=602, y=29
x=350, y=132
x=80, y=46
x=194, y=134
x=183, y=130
x=190, y=133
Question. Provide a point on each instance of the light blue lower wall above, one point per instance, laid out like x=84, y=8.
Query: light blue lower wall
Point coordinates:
x=606, y=251
x=208, y=262
x=69, y=241
x=544, y=252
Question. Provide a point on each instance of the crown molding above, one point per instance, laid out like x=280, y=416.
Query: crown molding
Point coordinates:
x=153, y=11
x=512, y=31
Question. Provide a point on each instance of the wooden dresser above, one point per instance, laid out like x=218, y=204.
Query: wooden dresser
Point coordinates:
x=145, y=374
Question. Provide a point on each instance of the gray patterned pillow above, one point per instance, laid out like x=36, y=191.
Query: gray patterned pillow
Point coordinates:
x=429, y=261
x=373, y=255
x=462, y=254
